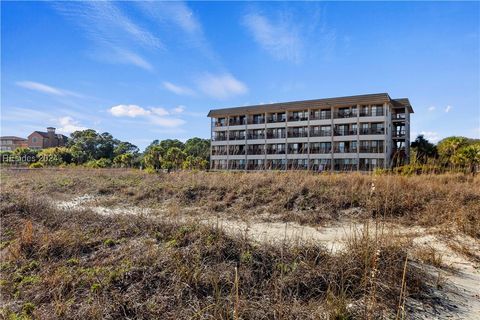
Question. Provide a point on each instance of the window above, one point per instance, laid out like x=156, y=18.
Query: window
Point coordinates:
x=34, y=139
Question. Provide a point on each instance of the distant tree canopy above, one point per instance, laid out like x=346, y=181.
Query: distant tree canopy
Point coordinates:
x=449, y=153
x=174, y=154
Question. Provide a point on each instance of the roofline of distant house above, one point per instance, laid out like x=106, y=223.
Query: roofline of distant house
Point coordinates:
x=12, y=138
x=317, y=103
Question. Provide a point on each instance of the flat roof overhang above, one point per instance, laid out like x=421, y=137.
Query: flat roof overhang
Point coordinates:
x=377, y=98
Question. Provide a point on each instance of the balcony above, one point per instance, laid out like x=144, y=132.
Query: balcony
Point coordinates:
x=237, y=166
x=321, y=116
x=297, y=118
x=340, y=132
x=220, y=124
x=233, y=152
x=274, y=151
x=293, y=134
x=371, y=149
x=275, y=135
x=320, y=133
x=237, y=137
x=398, y=134
x=255, y=136
x=345, y=150
x=320, y=150
x=237, y=122
x=298, y=151
x=255, y=167
x=256, y=121
x=255, y=151
x=275, y=120
x=345, y=114
x=220, y=138
x=364, y=131
x=371, y=113
x=219, y=152
x=398, y=116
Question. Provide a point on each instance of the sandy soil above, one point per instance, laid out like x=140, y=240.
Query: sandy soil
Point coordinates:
x=460, y=278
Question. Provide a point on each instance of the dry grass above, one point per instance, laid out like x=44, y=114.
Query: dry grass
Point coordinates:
x=71, y=265
x=450, y=202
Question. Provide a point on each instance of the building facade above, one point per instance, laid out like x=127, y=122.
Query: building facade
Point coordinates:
x=334, y=134
x=41, y=140
x=10, y=143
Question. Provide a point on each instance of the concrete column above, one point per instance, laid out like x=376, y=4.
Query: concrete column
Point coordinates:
x=332, y=126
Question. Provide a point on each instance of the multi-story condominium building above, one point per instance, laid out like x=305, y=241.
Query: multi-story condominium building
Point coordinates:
x=339, y=134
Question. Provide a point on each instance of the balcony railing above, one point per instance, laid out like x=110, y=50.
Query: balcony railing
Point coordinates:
x=320, y=150
x=345, y=150
x=398, y=133
x=237, y=122
x=345, y=114
x=371, y=149
x=398, y=116
x=255, y=136
x=321, y=116
x=234, y=152
x=255, y=167
x=237, y=137
x=341, y=132
x=220, y=138
x=275, y=135
x=274, y=151
x=219, y=152
x=372, y=131
x=345, y=167
x=297, y=151
x=220, y=124
x=370, y=113
x=255, y=151
x=275, y=120
x=256, y=121
x=320, y=133
x=300, y=134
x=298, y=118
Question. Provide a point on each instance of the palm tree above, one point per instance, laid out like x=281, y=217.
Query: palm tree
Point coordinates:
x=424, y=149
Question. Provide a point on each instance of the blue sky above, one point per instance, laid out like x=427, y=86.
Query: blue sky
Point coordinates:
x=152, y=70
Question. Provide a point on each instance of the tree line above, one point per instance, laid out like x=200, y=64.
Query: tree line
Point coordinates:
x=450, y=154
x=101, y=150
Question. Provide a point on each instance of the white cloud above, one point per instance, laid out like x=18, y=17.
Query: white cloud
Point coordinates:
x=128, y=110
x=160, y=111
x=177, y=89
x=69, y=125
x=448, y=108
x=281, y=39
x=432, y=108
x=179, y=109
x=221, y=86
x=43, y=88
x=431, y=136
x=156, y=115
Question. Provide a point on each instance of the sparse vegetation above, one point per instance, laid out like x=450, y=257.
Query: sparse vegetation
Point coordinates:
x=60, y=263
